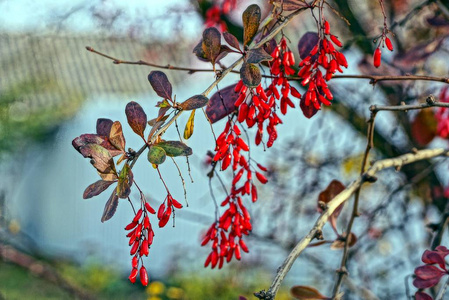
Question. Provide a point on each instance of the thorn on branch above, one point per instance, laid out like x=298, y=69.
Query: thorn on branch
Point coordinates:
x=319, y=235
x=342, y=271
x=369, y=178
x=322, y=205
x=265, y=295
x=430, y=100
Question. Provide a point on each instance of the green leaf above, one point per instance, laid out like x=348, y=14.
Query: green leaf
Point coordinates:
x=110, y=207
x=96, y=188
x=175, y=148
x=255, y=56
x=188, y=130
x=156, y=155
x=160, y=83
x=194, y=102
x=125, y=180
x=250, y=74
x=251, y=21
x=211, y=43
x=137, y=118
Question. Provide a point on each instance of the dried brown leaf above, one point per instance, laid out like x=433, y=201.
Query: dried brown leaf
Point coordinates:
x=110, y=207
x=306, y=293
x=194, y=102
x=116, y=136
x=96, y=188
x=251, y=20
x=250, y=75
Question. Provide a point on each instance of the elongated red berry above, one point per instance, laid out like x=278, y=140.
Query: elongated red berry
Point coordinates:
x=377, y=55
x=176, y=204
x=132, y=277
x=327, y=28
x=149, y=208
x=388, y=44
x=143, y=276
x=261, y=178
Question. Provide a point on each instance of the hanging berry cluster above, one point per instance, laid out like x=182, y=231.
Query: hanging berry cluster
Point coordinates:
x=383, y=40
x=140, y=239
x=166, y=209
x=281, y=67
x=226, y=234
x=323, y=55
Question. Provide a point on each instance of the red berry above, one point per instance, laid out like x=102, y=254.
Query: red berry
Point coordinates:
x=388, y=44
x=377, y=55
x=261, y=178
x=143, y=276
x=132, y=277
x=327, y=27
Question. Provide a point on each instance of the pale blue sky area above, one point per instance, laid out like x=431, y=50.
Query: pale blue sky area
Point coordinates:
x=156, y=18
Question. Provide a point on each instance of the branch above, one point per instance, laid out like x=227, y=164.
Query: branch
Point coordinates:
x=378, y=78
x=341, y=198
x=373, y=78
x=355, y=209
x=214, y=84
x=442, y=291
x=430, y=102
x=40, y=269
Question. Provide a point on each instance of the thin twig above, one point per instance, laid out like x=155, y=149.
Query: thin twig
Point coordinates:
x=183, y=181
x=442, y=291
x=343, y=197
x=408, y=107
x=355, y=213
x=374, y=78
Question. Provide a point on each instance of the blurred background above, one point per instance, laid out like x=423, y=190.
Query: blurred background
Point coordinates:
x=52, y=243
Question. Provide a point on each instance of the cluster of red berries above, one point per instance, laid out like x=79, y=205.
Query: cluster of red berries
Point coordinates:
x=227, y=234
x=140, y=239
x=214, y=15
x=256, y=107
x=235, y=221
x=281, y=67
x=166, y=208
x=323, y=55
x=384, y=41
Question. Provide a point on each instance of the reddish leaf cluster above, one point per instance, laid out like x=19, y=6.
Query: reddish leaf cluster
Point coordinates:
x=324, y=55
x=430, y=274
x=140, y=239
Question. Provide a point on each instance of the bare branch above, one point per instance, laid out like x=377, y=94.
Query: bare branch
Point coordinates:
x=343, y=197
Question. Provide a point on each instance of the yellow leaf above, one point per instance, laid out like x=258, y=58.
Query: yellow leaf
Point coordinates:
x=188, y=131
